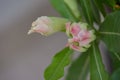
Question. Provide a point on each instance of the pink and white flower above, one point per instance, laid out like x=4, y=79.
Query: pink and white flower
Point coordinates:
x=80, y=36
x=48, y=25
x=41, y=25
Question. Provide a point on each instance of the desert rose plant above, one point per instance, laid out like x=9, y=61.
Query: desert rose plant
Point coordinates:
x=86, y=23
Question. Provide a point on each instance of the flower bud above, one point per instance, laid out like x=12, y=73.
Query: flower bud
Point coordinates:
x=80, y=36
x=48, y=25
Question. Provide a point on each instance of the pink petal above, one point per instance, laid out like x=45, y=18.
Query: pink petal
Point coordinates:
x=75, y=30
x=74, y=47
x=41, y=28
x=84, y=35
x=84, y=42
x=76, y=39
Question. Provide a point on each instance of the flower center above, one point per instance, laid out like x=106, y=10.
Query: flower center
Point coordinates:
x=76, y=43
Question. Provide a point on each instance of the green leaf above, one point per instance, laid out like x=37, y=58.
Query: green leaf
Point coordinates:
x=110, y=31
x=110, y=3
x=65, y=11
x=115, y=61
x=97, y=69
x=116, y=75
x=99, y=4
x=95, y=12
x=56, y=69
x=79, y=68
x=73, y=8
x=87, y=11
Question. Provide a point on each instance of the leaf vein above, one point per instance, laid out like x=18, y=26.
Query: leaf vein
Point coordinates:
x=117, y=56
x=97, y=63
x=58, y=67
x=110, y=33
x=84, y=68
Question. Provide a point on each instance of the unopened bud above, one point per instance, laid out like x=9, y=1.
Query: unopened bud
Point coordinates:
x=48, y=25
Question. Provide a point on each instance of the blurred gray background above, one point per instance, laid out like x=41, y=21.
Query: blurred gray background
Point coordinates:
x=22, y=56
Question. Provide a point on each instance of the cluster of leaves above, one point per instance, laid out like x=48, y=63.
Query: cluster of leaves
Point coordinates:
x=89, y=62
